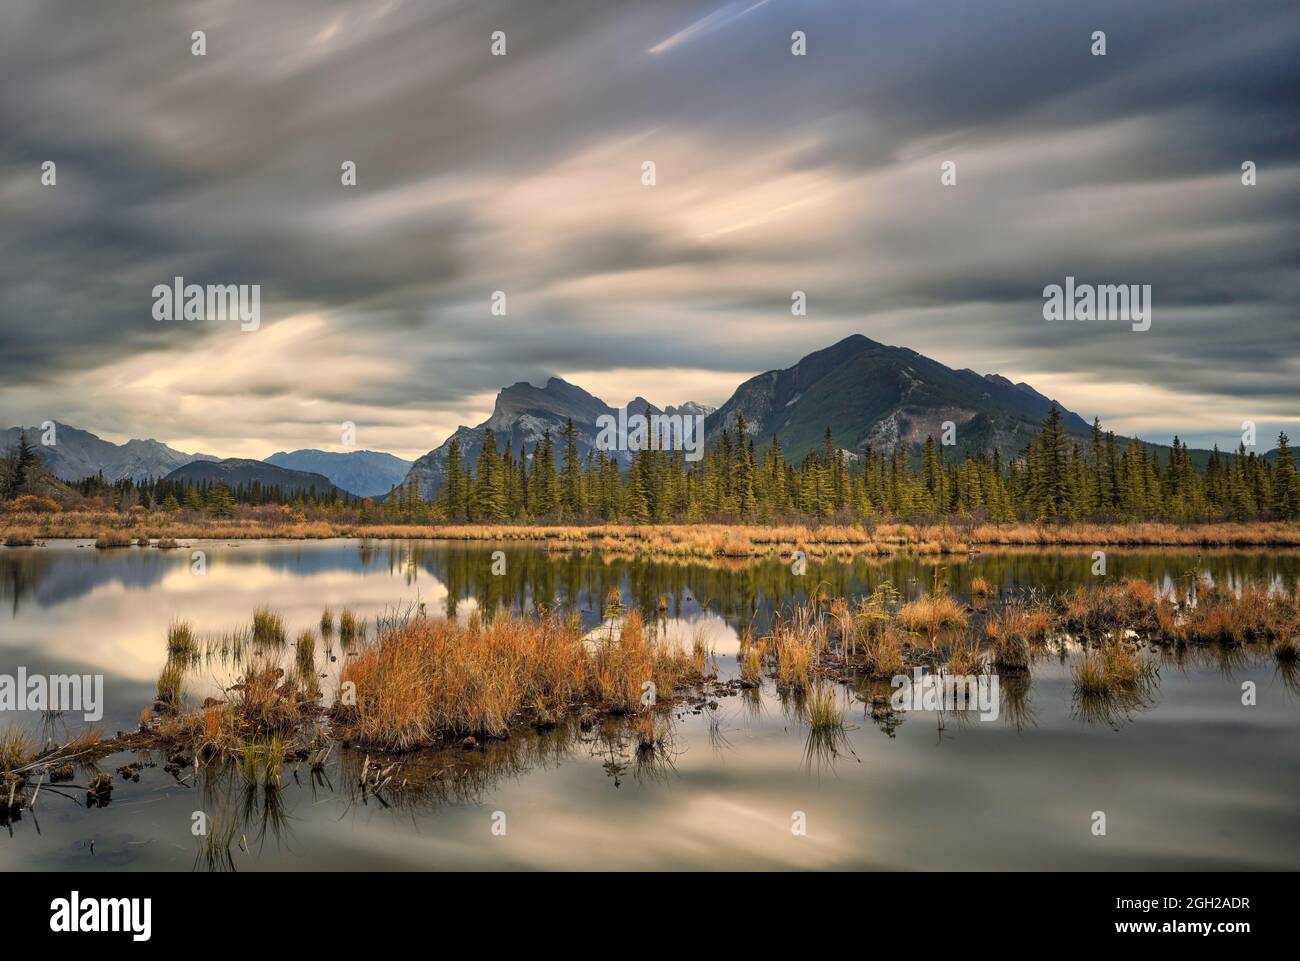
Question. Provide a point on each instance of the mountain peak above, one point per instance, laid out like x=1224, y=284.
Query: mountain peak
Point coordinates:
x=78, y=454
x=873, y=395
x=366, y=473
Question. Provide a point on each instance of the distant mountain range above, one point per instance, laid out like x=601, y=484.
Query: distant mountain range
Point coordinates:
x=77, y=454
x=868, y=393
x=240, y=472
x=367, y=473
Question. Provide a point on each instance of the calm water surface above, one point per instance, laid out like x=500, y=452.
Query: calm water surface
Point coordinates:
x=1190, y=779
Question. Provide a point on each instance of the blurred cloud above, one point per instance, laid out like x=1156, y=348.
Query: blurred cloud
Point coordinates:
x=522, y=173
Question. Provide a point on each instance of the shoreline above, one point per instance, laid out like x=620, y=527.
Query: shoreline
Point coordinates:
x=668, y=540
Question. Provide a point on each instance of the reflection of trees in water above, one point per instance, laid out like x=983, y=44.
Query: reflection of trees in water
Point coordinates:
x=20, y=573
x=581, y=579
x=745, y=590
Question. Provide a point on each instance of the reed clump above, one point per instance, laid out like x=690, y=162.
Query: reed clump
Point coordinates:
x=1131, y=605
x=622, y=663
x=751, y=664
x=964, y=657
x=350, y=629
x=823, y=710
x=426, y=679
x=263, y=701
x=1218, y=615
x=797, y=643
x=884, y=654
x=170, y=689
x=16, y=749
x=1013, y=632
x=1112, y=667
x=305, y=648
x=268, y=628
x=931, y=614
x=113, y=539
x=181, y=640
x=1202, y=614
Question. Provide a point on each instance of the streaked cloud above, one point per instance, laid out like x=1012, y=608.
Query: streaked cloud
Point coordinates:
x=714, y=21
x=522, y=173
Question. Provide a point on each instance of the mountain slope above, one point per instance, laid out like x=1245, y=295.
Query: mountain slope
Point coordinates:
x=871, y=394
x=522, y=414
x=240, y=472
x=366, y=473
x=77, y=454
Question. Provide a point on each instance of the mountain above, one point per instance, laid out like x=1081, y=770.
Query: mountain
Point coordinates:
x=690, y=408
x=522, y=414
x=239, y=472
x=870, y=394
x=77, y=454
x=366, y=473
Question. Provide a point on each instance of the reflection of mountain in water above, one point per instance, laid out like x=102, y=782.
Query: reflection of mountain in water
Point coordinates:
x=49, y=577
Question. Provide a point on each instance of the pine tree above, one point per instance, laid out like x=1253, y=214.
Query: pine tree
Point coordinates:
x=455, y=488
x=1286, y=483
x=193, y=498
x=542, y=485
x=571, y=487
x=489, y=483
x=1050, y=490
x=23, y=464
x=220, y=501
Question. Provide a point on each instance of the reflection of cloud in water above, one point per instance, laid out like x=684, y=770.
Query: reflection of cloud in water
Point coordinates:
x=116, y=629
x=1194, y=780
x=681, y=633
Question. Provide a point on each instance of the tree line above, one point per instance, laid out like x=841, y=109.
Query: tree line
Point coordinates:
x=1057, y=477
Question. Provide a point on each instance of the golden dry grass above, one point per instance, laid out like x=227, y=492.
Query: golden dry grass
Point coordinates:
x=171, y=685
x=823, y=710
x=1114, y=666
x=1205, y=615
x=268, y=628
x=1013, y=631
x=113, y=539
x=672, y=540
x=751, y=663
x=931, y=614
x=16, y=748
x=884, y=654
x=429, y=678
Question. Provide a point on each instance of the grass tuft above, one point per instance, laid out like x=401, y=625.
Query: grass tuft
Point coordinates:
x=268, y=628
x=181, y=641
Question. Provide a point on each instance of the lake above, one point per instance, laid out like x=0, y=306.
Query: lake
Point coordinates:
x=1191, y=778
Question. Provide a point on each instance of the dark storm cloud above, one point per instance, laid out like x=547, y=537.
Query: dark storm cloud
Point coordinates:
x=473, y=175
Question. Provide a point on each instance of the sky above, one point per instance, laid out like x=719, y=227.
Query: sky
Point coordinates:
x=523, y=173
